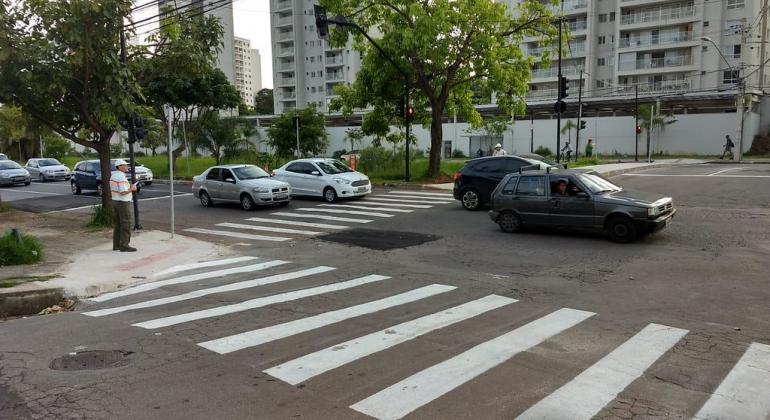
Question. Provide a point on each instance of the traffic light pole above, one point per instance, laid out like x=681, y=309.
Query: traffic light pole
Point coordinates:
x=579, y=116
x=131, y=141
x=636, y=124
x=559, y=99
x=408, y=124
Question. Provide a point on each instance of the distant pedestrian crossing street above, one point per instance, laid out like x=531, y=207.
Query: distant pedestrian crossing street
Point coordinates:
x=174, y=299
x=323, y=218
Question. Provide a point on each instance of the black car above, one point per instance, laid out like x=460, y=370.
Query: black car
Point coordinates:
x=87, y=175
x=476, y=180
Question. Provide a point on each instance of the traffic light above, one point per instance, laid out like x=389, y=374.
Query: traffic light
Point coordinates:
x=401, y=107
x=638, y=130
x=582, y=125
x=563, y=87
x=559, y=107
x=409, y=113
x=139, y=131
x=321, y=22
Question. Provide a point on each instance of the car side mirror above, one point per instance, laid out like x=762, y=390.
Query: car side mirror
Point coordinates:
x=230, y=180
x=582, y=195
x=316, y=173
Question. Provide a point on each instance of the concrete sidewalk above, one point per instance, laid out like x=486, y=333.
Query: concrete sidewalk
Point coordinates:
x=607, y=169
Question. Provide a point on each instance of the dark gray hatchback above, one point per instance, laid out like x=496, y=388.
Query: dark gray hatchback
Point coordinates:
x=577, y=199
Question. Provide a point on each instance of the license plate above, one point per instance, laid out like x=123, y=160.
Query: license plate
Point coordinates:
x=280, y=197
x=361, y=189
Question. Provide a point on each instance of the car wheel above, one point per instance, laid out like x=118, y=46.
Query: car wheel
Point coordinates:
x=247, y=203
x=75, y=189
x=622, y=229
x=99, y=190
x=42, y=178
x=470, y=199
x=205, y=199
x=509, y=222
x=283, y=204
x=330, y=195
x=27, y=183
x=148, y=183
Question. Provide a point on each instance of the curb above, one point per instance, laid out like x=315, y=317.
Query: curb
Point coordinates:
x=166, y=182
x=743, y=162
x=29, y=302
x=617, y=172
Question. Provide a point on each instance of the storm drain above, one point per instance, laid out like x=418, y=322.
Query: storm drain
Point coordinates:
x=381, y=240
x=91, y=360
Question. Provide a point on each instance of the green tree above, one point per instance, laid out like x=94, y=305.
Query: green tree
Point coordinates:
x=218, y=136
x=355, y=136
x=56, y=146
x=59, y=63
x=648, y=121
x=567, y=128
x=449, y=49
x=156, y=135
x=313, y=139
x=245, y=110
x=263, y=102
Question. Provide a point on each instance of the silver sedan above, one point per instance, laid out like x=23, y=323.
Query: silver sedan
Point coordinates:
x=12, y=173
x=47, y=169
x=247, y=184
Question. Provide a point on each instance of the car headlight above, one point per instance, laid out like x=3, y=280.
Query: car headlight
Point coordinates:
x=652, y=211
x=342, y=181
x=149, y=173
x=260, y=190
x=48, y=171
x=2, y=175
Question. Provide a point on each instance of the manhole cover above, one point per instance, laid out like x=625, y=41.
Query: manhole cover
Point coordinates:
x=382, y=240
x=89, y=360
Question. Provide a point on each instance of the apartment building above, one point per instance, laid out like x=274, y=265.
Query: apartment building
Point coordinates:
x=305, y=68
x=248, y=70
x=657, y=45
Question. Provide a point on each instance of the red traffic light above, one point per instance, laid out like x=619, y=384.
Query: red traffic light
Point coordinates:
x=638, y=130
x=410, y=113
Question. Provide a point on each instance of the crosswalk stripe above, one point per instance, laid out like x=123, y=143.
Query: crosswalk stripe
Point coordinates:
x=323, y=217
x=378, y=203
x=265, y=335
x=423, y=193
x=212, y=290
x=297, y=223
x=269, y=229
x=187, y=279
x=421, y=388
x=238, y=235
x=358, y=213
x=349, y=206
x=401, y=200
x=590, y=391
x=186, y=267
x=314, y=364
x=745, y=391
x=258, y=302
x=424, y=198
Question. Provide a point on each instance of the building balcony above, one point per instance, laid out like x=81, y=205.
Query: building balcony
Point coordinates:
x=576, y=49
x=656, y=41
x=553, y=72
x=655, y=63
x=287, y=96
x=542, y=94
x=286, y=66
x=660, y=87
x=286, y=81
x=569, y=6
x=284, y=21
x=285, y=36
x=285, y=51
x=659, y=16
x=283, y=5
x=334, y=61
x=335, y=76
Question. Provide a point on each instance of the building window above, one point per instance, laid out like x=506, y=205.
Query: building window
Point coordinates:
x=600, y=83
x=602, y=40
x=312, y=59
x=735, y=4
x=601, y=61
x=612, y=16
x=312, y=74
x=736, y=51
x=730, y=76
x=602, y=18
x=320, y=74
x=705, y=23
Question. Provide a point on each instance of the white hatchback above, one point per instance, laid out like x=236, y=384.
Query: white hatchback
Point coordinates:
x=327, y=178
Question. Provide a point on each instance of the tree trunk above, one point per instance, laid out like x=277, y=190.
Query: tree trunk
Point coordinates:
x=103, y=150
x=176, y=153
x=436, y=137
x=154, y=153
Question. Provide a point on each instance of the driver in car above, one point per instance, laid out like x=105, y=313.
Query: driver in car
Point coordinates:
x=561, y=188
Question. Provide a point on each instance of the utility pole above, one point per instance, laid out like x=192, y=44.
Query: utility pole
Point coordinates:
x=170, y=117
x=131, y=140
x=763, y=39
x=636, y=125
x=531, y=131
x=579, y=116
x=741, y=97
x=559, y=102
x=408, y=123
x=296, y=126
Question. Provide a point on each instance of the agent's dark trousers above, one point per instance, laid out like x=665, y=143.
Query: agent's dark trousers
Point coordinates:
x=121, y=214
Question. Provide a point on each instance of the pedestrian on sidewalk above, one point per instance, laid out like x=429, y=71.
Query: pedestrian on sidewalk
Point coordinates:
x=590, y=148
x=728, y=148
x=499, y=151
x=122, y=197
x=567, y=150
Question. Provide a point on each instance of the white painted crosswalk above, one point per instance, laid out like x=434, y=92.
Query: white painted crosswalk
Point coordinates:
x=405, y=200
x=269, y=229
x=337, y=211
x=238, y=235
x=744, y=392
x=297, y=223
x=323, y=217
x=349, y=206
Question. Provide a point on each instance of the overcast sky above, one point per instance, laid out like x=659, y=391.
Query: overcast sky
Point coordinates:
x=252, y=21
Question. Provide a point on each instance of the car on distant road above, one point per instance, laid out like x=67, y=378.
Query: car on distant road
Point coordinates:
x=47, y=169
x=87, y=175
x=247, y=184
x=586, y=200
x=320, y=177
x=12, y=173
x=473, y=184
x=143, y=174
x=3, y=157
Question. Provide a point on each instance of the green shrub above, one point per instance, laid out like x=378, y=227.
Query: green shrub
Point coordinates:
x=101, y=218
x=458, y=154
x=18, y=249
x=338, y=153
x=543, y=151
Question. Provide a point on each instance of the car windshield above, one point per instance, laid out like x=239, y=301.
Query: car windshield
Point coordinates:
x=250, y=172
x=333, y=167
x=48, y=162
x=9, y=164
x=598, y=184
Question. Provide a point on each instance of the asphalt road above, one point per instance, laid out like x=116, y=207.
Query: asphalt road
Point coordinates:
x=552, y=324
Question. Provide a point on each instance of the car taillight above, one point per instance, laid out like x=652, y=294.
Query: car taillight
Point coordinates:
x=457, y=176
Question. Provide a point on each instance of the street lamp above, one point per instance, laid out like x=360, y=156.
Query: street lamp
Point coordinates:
x=740, y=99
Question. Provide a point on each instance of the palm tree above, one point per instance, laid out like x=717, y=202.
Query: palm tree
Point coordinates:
x=567, y=127
x=648, y=121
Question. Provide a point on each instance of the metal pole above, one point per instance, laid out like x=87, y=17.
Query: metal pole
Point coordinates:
x=170, y=118
x=40, y=137
x=559, y=98
x=131, y=141
x=762, y=47
x=741, y=115
x=296, y=123
x=579, y=116
x=531, y=131
x=407, y=174
x=636, y=124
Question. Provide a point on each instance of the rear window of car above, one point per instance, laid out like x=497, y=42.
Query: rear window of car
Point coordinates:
x=213, y=174
x=531, y=186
